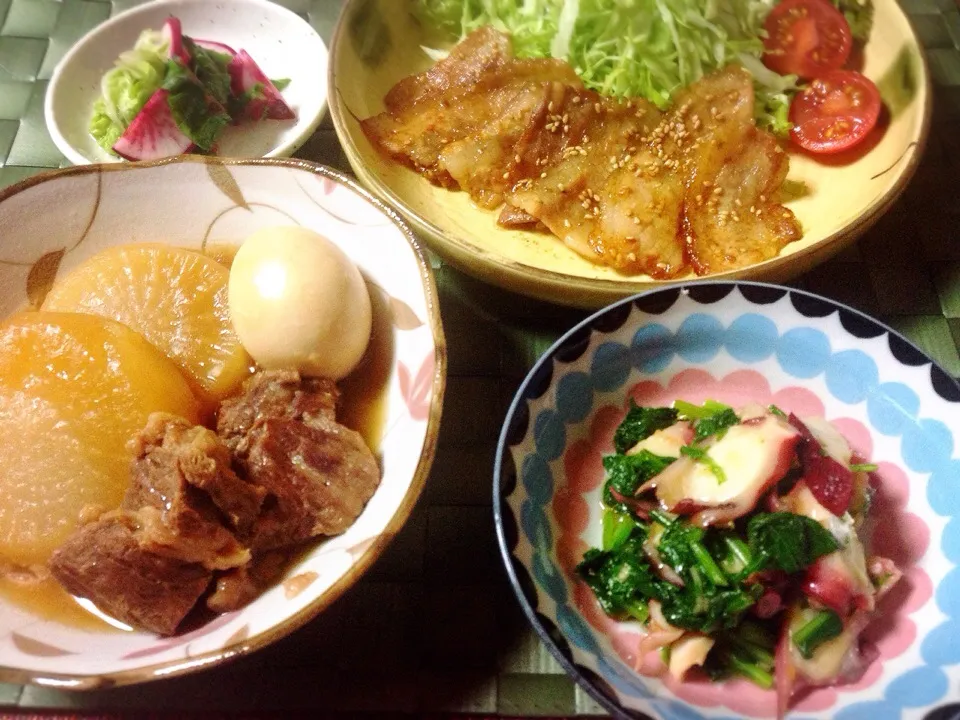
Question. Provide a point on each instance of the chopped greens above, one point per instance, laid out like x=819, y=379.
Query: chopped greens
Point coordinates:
x=824, y=625
x=641, y=423
x=700, y=455
x=632, y=48
x=626, y=473
x=787, y=541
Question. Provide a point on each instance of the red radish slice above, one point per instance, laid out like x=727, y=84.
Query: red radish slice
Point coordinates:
x=153, y=134
x=214, y=46
x=173, y=34
x=246, y=76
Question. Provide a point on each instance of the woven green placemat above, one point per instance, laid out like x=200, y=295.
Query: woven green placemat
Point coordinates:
x=434, y=626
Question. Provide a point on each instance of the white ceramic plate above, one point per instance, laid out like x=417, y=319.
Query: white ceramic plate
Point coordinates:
x=283, y=45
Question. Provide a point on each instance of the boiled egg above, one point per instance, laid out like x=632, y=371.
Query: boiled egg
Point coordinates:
x=298, y=302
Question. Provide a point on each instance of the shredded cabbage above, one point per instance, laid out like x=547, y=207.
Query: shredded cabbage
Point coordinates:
x=125, y=89
x=630, y=48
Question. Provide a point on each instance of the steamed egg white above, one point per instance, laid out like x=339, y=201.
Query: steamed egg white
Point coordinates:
x=298, y=302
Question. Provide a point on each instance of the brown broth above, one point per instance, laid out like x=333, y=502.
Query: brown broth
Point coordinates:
x=48, y=601
x=362, y=408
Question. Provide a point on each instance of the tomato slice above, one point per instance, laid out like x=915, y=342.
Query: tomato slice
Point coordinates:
x=834, y=112
x=806, y=38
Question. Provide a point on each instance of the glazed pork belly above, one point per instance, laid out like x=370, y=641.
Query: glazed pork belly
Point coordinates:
x=618, y=181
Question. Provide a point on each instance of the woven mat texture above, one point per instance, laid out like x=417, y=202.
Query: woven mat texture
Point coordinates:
x=433, y=627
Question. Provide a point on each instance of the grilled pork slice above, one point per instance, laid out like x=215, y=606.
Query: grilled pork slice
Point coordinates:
x=619, y=182
x=592, y=176
x=477, y=85
x=106, y=562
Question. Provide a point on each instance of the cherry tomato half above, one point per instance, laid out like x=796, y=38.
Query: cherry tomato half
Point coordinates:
x=834, y=112
x=806, y=38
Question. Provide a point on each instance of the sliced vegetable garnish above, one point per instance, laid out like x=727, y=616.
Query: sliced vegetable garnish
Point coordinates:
x=824, y=625
x=806, y=38
x=834, y=112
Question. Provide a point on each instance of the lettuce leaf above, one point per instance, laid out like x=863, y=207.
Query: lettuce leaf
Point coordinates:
x=125, y=89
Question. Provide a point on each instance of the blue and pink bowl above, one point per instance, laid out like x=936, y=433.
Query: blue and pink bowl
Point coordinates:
x=737, y=342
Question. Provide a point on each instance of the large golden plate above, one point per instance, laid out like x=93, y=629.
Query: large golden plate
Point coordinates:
x=377, y=42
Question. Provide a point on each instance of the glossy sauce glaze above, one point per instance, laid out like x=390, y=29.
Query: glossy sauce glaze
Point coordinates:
x=362, y=407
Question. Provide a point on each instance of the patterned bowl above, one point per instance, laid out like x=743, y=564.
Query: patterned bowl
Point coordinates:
x=736, y=342
x=378, y=42
x=50, y=223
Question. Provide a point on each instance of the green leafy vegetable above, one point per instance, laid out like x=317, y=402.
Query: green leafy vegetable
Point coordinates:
x=859, y=16
x=198, y=115
x=630, y=48
x=210, y=67
x=716, y=424
x=825, y=625
x=707, y=612
x=620, y=579
x=863, y=467
x=639, y=424
x=617, y=527
x=125, y=89
x=787, y=541
x=281, y=84
x=701, y=456
x=626, y=473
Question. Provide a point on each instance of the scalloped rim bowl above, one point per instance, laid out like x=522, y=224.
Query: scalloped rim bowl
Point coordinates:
x=736, y=342
x=50, y=223
x=378, y=42
x=282, y=44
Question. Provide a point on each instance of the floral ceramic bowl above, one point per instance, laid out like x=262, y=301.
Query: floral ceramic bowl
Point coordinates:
x=378, y=42
x=50, y=223
x=736, y=342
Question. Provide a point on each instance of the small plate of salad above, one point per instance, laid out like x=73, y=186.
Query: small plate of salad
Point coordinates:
x=245, y=78
x=732, y=499
x=842, y=84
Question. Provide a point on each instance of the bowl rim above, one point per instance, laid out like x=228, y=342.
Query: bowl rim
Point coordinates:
x=500, y=496
x=172, y=668
x=596, y=293
x=56, y=78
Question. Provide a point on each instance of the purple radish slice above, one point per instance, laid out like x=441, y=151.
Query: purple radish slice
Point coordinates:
x=246, y=77
x=153, y=134
x=214, y=46
x=173, y=33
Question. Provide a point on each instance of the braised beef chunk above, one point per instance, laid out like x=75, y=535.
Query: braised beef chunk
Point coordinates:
x=275, y=394
x=319, y=476
x=203, y=461
x=240, y=586
x=185, y=494
x=105, y=562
